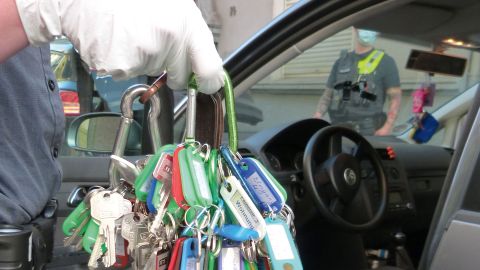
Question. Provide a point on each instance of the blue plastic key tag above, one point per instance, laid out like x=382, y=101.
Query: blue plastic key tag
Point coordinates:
x=151, y=191
x=236, y=232
x=189, y=256
x=281, y=247
x=257, y=180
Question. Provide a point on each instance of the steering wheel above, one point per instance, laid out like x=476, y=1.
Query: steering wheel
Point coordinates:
x=335, y=182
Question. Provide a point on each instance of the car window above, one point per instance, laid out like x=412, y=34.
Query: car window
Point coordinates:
x=92, y=94
x=293, y=91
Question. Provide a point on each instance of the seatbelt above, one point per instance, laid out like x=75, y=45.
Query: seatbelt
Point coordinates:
x=370, y=63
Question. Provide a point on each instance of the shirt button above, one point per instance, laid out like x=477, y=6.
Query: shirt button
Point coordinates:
x=55, y=152
x=51, y=85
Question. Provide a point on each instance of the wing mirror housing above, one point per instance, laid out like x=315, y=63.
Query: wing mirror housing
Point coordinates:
x=96, y=133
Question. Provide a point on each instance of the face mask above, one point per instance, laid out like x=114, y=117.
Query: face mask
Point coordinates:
x=366, y=37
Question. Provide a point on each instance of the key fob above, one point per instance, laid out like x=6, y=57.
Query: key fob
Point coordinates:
x=177, y=191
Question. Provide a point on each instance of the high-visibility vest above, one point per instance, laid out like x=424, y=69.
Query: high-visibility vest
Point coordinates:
x=370, y=63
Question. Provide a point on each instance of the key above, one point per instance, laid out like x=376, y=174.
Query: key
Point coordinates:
x=242, y=206
x=121, y=247
x=107, y=207
x=142, y=253
x=164, y=196
x=281, y=246
x=96, y=252
x=132, y=225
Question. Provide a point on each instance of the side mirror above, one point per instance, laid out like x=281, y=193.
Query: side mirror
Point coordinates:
x=96, y=133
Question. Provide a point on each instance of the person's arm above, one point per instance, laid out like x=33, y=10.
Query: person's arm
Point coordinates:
x=12, y=35
x=323, y=103
x=121, y=38
x=395, y=97
x=327, y=95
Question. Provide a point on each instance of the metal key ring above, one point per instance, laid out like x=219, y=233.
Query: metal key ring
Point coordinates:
x=249, y=252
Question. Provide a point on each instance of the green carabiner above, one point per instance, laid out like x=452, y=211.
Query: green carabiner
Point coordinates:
x=230, y=108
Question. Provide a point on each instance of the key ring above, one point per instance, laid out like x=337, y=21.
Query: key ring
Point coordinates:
x=249, y=252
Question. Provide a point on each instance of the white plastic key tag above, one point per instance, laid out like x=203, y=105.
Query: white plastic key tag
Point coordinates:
x=230, y=258
x=242, y=206
x=280, y=245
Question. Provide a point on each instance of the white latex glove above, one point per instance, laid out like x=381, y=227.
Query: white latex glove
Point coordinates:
x=127, y=38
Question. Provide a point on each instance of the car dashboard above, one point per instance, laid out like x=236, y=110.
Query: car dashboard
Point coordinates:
x=415, y=173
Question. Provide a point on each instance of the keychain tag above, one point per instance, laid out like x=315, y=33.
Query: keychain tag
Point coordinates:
x=281, y=247
x=230, y=258
x=269, y=176
x=261, y=185
x=177, y=190
x=176, y=253
x=151, y=194
x=75, y=218
x=236, y=232
x=199, y=177
x=242, y=206
x=163, y=169
x=142, y=182
x=189, y=257
x=186, y=179
x=257, y=182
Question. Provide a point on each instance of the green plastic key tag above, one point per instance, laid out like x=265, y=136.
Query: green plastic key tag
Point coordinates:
x=195, y=185
x=280, y=245
x=90, y=236
x=142, y=182
x=78, y=215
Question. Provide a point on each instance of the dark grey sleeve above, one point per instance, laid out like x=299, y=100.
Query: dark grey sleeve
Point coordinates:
x=332, y=78
x=391, y=78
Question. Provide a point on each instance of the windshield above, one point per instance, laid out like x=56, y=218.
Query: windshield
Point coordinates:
x=326, y=81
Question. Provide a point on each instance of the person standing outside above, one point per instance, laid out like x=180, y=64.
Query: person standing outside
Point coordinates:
x=378, y=73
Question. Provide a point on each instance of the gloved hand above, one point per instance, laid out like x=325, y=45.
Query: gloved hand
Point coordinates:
x=126, y=38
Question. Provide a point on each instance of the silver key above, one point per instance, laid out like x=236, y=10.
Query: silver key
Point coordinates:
x=107, y=207
x=130, y=222
x=96, y=252
x=164, y=199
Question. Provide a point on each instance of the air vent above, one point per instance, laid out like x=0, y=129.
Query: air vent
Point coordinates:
x=246, y=153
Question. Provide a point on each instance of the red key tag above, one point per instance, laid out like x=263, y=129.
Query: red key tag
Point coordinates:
x=176, y=258
x=163, y=169
x=177, y=191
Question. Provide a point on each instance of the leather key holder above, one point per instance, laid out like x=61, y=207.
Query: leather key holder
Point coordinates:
x=209, y=125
